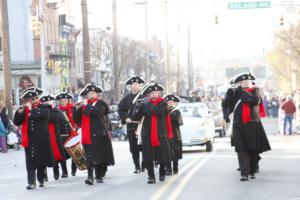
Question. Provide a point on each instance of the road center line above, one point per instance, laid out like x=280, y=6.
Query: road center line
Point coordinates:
x=172, y=179
x=186, y=179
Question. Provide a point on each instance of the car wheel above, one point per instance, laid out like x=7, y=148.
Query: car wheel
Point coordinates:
x=209, y=146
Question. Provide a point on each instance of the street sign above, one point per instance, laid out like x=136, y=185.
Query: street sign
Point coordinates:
x=249, y=5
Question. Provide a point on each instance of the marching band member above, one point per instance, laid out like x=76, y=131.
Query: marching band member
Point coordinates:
x=125, y=110
x=156, y=131
x=248, y=135
x=34, y=119
x=92, y=116
x=55, y=139
x=176, y=143
x=68, y=127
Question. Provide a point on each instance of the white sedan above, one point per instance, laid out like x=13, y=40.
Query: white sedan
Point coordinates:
x=198, y=128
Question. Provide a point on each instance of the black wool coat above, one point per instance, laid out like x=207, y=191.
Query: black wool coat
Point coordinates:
x=161, y=153
x=38, y=153
x=250, y=136
x=100, y=150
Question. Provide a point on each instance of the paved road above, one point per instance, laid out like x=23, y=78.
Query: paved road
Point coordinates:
x=210, y=176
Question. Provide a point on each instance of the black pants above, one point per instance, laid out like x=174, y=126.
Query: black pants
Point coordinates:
x=175, y=166
x=63, y=164
x=247, y=162
x=150, y=169
x=31, y=175
x=100, y=170
x=134, y=147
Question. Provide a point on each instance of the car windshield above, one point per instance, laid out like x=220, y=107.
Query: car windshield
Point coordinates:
x=191, y=111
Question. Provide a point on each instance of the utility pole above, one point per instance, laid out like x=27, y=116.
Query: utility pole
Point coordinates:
x=6, y=58
x=115, y=51
x=42, y=43
x=178, y=78
x=190, y=67
x=167, y=53
x=86, y=43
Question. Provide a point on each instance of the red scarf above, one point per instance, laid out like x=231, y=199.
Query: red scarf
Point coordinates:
x=54, y=146
x=24, y=128
x=68, y=109
x=154, y=132
x=86, y=124
x=246, y=114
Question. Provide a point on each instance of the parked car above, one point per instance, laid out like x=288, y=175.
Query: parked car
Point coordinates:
x=215, y=111
x=198, y=128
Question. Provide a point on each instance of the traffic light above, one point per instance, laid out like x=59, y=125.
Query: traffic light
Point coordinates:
x=216, y=19
x=281, y=21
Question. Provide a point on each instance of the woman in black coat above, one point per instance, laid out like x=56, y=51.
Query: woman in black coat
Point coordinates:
x=156, y=131
x=34, y=119
x=176, y=142
x=92, y=116
x=248, y=136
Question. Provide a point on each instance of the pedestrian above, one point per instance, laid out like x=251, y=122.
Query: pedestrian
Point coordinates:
x=125, y=111
x=4, y=116
x=156, y=131
x=68, y=128
x=3, y=134
x=34, y=119
x=249, y=137
x=176, y=142
x=55, y=139
x=92, y=115
x=193, y=98
x=289, y=109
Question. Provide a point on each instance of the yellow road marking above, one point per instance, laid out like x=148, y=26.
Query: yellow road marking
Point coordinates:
x=186, y=179
x=172, y=179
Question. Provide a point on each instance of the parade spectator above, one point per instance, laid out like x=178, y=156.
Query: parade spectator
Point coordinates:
x=266, y=105
x=289, y=111
x=3, y=133
x=3, y=116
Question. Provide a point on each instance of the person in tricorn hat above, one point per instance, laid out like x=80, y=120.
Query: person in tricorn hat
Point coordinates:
x=55, y=139
x=33, y=117
x=175, y=143
x=68, y=127
x=125, y=110
x=248, y=135
x=156, y=131
x=91, y=114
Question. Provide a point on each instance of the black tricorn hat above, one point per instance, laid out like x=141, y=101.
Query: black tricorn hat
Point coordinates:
x=153, y=87
x=134, y=79
x=63, y=95
x=31, y=92
x=46, y=98
x=172, y=97
x=90, y=87
x=242, y=77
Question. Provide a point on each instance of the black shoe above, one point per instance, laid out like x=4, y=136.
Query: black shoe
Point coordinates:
x=56, y=176
x=175, y=171
x=244, y=178
x=30, y=187
x=89, y=181
x=73, y=173
x=162, y=177
x=238, y=169
x=252, y=176
x=168, y=172
x=99, y=180
x=137, y=171
x=42, y=184
x=151, y=180
x=64, y=175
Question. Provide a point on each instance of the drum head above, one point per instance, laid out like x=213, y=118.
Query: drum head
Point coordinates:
x=72, y=141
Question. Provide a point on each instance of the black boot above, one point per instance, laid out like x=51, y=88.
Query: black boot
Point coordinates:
x=30, y=187
x=42, y=184
x=175, y=167
x=162, y=172
x=168, y=169
x=252, y=176
x=244, y=178
x=137, y=169
x=89, y=181
x=56, y=171
x=74, y=168
x=99, y=180
x=151, y=180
